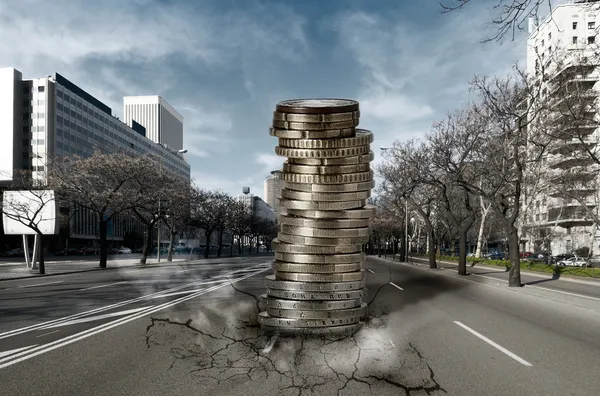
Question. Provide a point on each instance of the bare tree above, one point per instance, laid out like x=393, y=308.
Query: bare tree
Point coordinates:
x=238, y=220
x=208, y=210
x=177, y=212
x=405, y=172
x=28, y=207
x=104, y=184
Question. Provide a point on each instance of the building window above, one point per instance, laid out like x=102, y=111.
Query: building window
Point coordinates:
x=574, y=25
x=550, y=36
x=41, y=88
x=591, y=25
x=591, y=39
x=574, y=39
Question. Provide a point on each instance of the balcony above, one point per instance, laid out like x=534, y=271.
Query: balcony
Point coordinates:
x=566, y=147
x=574, y=131
x=568, y=162
x=569, y=216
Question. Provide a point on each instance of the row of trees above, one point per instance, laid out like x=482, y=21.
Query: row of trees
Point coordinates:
x=525, y=138
x=107, y=185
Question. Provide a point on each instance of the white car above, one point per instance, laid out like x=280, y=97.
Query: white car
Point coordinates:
x=574, y=262
x=124, y=250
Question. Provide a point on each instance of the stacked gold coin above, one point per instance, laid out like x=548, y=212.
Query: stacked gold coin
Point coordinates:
x=319, y=284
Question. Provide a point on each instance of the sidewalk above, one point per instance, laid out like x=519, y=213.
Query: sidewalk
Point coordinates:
x=541, y=275
x=9, y=271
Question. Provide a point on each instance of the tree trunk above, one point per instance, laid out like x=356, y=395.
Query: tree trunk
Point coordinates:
x=462, y=252
x=147, y=244
x=480, y=235
x=431, y=247
x=208, y=235
x=41, y=248
x=231, y=245
x=172, y=234
x=220, y=249
x=514, y=275
x=103, y=227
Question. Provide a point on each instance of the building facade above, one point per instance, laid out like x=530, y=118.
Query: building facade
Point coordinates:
x=42, y=118
x=273, y=185
x=162, y=122
x=257, y=206
x=562, y=52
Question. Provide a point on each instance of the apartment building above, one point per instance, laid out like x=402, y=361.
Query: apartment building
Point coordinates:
x=273, y=185
x=562, y=51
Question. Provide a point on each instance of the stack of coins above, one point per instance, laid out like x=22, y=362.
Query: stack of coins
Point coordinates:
x=324, y=219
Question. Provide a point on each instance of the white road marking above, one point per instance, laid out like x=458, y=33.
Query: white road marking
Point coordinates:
x=371, y=271
x=26, y=329
x=13, y=351
x=492, y=343
x=396, y=286
x=563, y=292
x=22, y=356
x=41, y=284
x=97, y=317
x=45, y=334
x=393, y=346
x=270, y=344
x=101, y=286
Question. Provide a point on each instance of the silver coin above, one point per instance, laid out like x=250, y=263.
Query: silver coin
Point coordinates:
x=359, y=159
x=333, y=117
x=349, y=187
x=312, y=249
x=315, y=205
x=303, y=268
x=332, y=331
x=322, y=278
x=325, y=296
x=272, y=283
x=342, y=178
x=320, y=258
x=324, y=197
x=309, y=305
x=302, y=240
x=366, y=212
x=265, y=319
x=321, y=314
x=325, y=232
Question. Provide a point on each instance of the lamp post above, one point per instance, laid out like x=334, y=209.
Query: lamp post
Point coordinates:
x=160, y=166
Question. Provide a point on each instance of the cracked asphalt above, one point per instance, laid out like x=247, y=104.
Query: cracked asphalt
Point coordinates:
x=435, y=334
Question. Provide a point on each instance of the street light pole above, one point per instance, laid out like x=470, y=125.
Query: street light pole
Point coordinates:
x=160, y=166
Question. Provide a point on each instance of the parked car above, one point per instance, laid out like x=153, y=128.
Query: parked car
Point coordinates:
x=90, y=250
x=124, y=250
x=575, y=262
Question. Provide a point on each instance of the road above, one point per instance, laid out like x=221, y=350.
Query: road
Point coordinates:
x=172, y=331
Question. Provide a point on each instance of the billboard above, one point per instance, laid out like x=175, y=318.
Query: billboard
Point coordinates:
x=9, y=86
x=21, y=209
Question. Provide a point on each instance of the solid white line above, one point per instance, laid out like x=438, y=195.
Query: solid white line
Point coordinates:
x=371, y=271
x=13, y=351
x=22, y=356
x=97, y=317
x=492, y=343
x=563, y=292
x=45, y=334
x=98, y=287
x=42, y=284
x=396, y=286
x=270, y=345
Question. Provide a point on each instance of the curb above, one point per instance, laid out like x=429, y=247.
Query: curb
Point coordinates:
x=137, y=265
x=565, y=278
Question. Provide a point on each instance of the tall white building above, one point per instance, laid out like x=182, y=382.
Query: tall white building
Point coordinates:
x=45, y=117
x=163, y=123
x=272, y=189
x=556, y=51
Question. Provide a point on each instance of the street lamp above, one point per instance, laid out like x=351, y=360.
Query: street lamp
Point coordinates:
x=160, y=166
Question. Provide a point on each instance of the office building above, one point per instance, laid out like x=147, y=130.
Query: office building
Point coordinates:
x=257, y=206
x=273, y=185
x=162, y=122
x=42, y=118
x=562, y=49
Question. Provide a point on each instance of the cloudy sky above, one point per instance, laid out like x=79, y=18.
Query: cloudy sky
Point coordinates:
x=224, y=64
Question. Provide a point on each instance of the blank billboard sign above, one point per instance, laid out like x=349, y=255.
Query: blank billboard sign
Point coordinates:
x=21, y=209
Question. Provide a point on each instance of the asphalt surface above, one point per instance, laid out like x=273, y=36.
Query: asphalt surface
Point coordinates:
x=171, y=331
